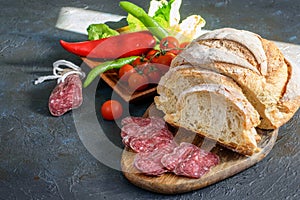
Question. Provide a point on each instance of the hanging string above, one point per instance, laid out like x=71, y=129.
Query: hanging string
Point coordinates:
x=61, y=73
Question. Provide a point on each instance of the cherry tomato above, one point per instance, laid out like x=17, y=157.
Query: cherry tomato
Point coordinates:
x=170, y=44
x=138, y=81
x=139, y=61
x=140, y=68
x=183, y=45
x=125, y=71
x=111, y=110
x=164, y=59
x=152, y=72
x=152, y=54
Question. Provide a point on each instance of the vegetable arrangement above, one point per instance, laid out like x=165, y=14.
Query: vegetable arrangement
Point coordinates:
x=155, y=46
x=143, y=53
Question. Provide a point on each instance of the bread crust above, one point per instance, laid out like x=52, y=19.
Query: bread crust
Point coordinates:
x=266, y=90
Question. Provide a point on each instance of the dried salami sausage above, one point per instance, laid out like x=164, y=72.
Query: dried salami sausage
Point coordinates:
x=67, y=95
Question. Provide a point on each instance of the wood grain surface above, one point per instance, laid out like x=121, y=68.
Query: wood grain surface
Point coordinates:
x=231, y=163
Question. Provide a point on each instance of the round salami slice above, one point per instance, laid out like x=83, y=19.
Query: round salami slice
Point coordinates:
x=149, y=163
x=143, y=121
x=137, y=125
x=170, y=161
x=147, y=143
x=138, y=128
x=189, y=160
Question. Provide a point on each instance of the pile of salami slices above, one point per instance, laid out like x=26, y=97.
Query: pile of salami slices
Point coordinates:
x=158, y=153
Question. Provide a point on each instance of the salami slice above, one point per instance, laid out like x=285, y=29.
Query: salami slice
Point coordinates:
x=143, y=121
x=142, y=129
x=148, y=143
x=189, y=160
x=67, y=95
x=157, y=151
x=149, y=163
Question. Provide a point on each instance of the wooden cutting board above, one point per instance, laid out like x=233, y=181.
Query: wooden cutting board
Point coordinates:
x=231, y=163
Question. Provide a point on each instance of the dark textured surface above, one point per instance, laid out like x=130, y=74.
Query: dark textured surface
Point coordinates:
x=42, y=157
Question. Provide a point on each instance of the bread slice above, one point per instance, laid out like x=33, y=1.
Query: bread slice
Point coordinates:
x=183, y=77
x=254, y=63
x=218, y=112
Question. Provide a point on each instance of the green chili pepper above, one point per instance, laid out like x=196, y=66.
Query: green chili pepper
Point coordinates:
x=105, y=66
x=154, y=27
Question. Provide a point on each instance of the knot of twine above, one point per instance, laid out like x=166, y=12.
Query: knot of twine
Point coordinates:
x=61, y=73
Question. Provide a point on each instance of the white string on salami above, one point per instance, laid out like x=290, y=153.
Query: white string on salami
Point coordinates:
x=61, y=73
x=67, y=94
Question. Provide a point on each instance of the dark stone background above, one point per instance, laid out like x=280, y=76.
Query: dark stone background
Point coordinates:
x=42, y=157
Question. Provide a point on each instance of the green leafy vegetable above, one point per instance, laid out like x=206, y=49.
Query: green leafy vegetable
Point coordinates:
x=99, y=31
x=162, y=15
x=167, y=14
x=160, y=12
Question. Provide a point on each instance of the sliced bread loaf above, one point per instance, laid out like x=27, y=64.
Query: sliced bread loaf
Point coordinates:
x=255, y=64
x=225, y=84
x=218, y=112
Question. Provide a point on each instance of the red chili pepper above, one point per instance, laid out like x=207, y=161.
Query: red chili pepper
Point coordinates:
x=123, y=45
